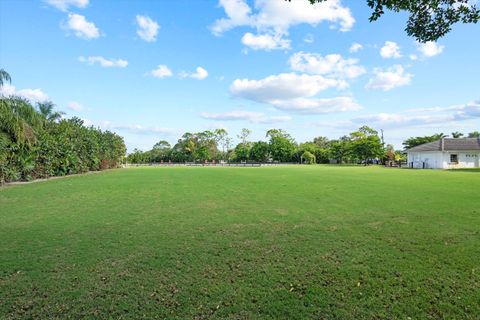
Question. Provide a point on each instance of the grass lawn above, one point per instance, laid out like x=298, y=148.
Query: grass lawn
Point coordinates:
x=320, y=242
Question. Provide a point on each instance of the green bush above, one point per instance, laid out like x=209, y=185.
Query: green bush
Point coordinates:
x=37, y=143
x=308, y=157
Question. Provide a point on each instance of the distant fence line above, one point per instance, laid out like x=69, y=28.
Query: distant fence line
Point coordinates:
x=209, y=164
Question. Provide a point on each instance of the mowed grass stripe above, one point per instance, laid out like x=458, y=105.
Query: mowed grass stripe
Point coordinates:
x=241, y=243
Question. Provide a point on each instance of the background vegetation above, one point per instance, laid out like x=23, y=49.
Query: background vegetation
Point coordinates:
x=364, y=145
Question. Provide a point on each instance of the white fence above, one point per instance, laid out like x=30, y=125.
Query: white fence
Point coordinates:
x=197, y=164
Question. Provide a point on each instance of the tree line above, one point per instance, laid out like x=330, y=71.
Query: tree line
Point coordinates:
x=36, y=142
x=362, y=145
x=415, y=141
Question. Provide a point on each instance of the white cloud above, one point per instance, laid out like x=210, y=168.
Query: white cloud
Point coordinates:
x=265, y=42
x=387, y=79
x=317, y=106
x=355, y=47
x=103, y=62
x=147, y=28
x=283, y=86
x=333, y=65
x=276, y=17
x=199, y=74
x=75, y=106
x=254, y=117
x=424, y=117
x=81, y=27
x=139, y=129
x=449, y=117
x=64, y=5
x=430, y=49
x=413, y=57
x=162, y=71
x=131, y=128
x=309, y=38
x=390, y=50
x=34, y=95
x=295, y=93
x=238, y=13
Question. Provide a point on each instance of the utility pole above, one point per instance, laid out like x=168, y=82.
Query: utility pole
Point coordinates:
x=383, y=142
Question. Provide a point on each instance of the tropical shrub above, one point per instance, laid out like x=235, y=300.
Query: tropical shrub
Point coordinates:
x=35, y=142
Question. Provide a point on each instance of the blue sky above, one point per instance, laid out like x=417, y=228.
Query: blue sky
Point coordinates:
x=151, y=70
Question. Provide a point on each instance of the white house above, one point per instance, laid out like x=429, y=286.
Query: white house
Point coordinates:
x=447, y=153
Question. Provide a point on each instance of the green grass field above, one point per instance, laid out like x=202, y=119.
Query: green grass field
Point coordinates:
x=243, y=243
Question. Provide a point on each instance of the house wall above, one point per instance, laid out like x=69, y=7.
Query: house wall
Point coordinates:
x=465, y=160
x=441, y=160
x=427, y=160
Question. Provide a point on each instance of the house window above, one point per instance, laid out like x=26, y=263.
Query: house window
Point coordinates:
x=454, y=158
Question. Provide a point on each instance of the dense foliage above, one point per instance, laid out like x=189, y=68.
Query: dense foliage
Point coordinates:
x=361, y=146
x=428, y=20
x=35, y=142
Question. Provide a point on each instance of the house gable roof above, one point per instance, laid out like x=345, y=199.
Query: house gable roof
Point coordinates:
x=449, y=144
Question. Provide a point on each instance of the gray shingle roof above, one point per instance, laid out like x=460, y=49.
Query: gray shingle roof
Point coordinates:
x=449, y=144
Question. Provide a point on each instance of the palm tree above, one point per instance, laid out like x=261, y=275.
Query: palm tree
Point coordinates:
x=4, y=76
x=46, y=111
x=18, y=120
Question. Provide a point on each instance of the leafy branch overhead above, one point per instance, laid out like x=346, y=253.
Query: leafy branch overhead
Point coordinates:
x=428, y=20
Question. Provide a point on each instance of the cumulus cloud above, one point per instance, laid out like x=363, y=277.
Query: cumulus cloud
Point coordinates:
x=131, y=128
x=199, y=74
x=64, y=5
x=419, y=118
x=34, y=95
x=295, y=93
x=428, y=116
x=162, y=71
x=317, y=106
x=430, y=49
x=81, y=27
x=254, y=117
x=147, y=28
x=390, y=50
x=75, y=106
x=265, y=42
x=332, y=65
x=274, y=18
x=283, y=86
x=142, y=130
x=355, y=47
x=104, y=62
x=387, y=79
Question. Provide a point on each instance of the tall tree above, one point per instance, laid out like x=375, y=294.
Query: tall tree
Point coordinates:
x=221, y=138
x=428, y=20
x=282, y=145
x=340, y=149
x=259, y=151
x=244, y=135
x=4, y=76
x=474, y=134
x=457, y=134
x=366, y=144
x=416, y=141
x=322, y=142
x=47, y=111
